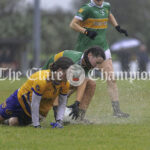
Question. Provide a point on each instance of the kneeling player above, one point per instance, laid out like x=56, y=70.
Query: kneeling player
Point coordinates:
x=35, y=97
x=88, y=60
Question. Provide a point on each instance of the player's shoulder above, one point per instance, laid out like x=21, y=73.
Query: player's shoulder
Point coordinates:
x=40, y=81
x=73, y=52
x=106, y=4
x=40, y=77
x=84, y=7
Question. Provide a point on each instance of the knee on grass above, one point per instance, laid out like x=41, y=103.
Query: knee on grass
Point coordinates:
x=13, y=121
x=1, y=119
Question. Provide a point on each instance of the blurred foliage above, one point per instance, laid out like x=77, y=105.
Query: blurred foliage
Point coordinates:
x=56, y=34
x=134, y=16
x=16, y=21
x=7, y=6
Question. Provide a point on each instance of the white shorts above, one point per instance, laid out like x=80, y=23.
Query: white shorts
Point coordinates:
x=108, y=54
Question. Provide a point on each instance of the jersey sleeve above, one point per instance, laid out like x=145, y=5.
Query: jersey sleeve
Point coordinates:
x=82, y=13
x=64, y=88
x=58, y=55
x=38, y=87
x=108, y=7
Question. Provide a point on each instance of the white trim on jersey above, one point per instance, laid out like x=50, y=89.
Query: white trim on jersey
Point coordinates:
x=108, y=54
x=94, y=4
x=80, y=18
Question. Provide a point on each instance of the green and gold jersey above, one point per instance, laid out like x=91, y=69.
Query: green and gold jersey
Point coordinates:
x=94, y=18
x=73, y=55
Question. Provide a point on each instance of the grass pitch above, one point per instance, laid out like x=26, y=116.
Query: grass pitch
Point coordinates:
x=108, y=133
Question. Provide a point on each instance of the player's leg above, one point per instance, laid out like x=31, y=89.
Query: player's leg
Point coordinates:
x=55, y=105
x=4, y=118
x=108, y=71
x=12, y=113
x=23, y=119
x=13, y=121
x=6, y=113
x=1, y=119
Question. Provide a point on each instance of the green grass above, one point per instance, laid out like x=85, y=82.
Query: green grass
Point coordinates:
x=107, y=133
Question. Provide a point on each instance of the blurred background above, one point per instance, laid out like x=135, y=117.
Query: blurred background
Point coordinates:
x=32, y=30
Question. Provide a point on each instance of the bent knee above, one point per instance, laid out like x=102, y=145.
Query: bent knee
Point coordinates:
x=13, y=121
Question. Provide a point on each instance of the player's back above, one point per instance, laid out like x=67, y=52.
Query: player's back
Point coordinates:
x=42, y=85
x=75, y=56
x=27, y=88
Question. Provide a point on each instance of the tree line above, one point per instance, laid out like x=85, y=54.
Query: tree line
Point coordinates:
x=16, y=21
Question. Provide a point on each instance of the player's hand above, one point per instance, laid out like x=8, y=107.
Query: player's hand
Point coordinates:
x=121, y=30
x=57, y=124
x=75, y=110
x=91, y=34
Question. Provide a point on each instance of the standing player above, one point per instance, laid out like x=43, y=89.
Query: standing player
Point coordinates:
x=88, y=60
x=33, y=100
x=91, y=21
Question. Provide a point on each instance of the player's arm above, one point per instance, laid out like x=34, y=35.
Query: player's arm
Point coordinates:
x=115, y=24
x=38, y=88
x=62, y=100
x=35, y=104
x=80, y=90
x=75, y=24
x=79, y=96
x=112, y=20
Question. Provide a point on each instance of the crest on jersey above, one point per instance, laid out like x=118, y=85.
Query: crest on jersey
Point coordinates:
x=80, y=10
x=37, y=87
x=102, y=12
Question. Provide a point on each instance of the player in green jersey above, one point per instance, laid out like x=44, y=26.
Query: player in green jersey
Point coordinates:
x=91, y=21
x=88, y=60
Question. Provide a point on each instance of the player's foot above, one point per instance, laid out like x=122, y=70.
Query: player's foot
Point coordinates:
x=6, y=122
x=121, y=114
x=117, y=112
